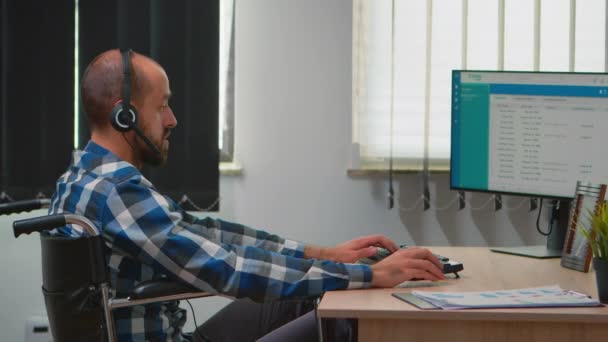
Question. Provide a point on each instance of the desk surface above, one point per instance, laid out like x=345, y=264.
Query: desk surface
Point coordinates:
x=483, y=270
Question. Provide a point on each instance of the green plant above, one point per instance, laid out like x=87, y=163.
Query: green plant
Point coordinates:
x=597, y=232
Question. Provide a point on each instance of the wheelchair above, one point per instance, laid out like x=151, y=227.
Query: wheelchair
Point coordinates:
x=75, y=279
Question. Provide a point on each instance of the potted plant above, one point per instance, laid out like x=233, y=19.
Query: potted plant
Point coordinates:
x=597, y=235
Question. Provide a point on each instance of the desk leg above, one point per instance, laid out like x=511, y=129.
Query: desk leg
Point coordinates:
x=320, y=329
x=338, y=330
x=327, y=329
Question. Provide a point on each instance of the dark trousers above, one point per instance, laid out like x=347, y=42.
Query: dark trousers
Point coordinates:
x=288, y=320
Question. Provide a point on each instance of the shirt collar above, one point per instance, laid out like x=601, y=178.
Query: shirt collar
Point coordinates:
x=95, y=148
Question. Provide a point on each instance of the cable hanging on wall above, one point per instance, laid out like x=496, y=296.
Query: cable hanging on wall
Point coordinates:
x=5, y=198
x=488, y=201
x=494, y=198
x=518, y=206
x=447, y=206
x=413, y=206
x=188, y=204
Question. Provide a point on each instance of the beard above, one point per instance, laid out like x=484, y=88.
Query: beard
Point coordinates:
x=150, y=156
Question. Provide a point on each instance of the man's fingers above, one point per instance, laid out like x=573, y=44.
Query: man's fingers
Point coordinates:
x=422, y=253
x=375, y=240
x=407, y=265
x=365, y=241
x=422, y=274
x=425, y=265
x=367, y=252
x=389, y=244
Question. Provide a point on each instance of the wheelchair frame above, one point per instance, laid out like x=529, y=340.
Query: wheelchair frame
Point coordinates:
x=145, y=293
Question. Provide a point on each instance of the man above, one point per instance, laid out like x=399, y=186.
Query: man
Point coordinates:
x=150, y=236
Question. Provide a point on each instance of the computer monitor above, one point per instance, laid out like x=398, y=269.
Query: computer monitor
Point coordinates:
x=528, y=133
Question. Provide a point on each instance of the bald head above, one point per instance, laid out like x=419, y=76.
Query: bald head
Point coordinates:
x=101, y=86
x=101, y=89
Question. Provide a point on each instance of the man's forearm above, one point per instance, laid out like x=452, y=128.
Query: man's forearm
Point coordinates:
x=316, y=252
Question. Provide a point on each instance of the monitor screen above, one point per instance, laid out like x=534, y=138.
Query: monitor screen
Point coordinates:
x=528, y=133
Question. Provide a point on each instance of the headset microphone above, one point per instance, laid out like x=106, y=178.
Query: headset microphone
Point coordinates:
x=124, y=116
x=146, y=140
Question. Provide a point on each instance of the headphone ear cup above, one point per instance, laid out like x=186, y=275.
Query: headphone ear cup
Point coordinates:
x=123, y=121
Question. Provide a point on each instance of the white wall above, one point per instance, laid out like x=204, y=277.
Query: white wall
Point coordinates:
x=293, y=105
x=293, y=134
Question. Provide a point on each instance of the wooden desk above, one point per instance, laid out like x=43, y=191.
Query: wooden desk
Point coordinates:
x=382, y=317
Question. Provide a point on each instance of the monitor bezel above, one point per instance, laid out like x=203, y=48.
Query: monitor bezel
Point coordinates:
x=534, y=195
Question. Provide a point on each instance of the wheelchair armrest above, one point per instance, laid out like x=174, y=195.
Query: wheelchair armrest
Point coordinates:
x=160, y=288
x=27, y=205
x=48, y=222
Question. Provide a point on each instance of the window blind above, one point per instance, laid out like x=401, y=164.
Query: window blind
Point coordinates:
x=433, y=37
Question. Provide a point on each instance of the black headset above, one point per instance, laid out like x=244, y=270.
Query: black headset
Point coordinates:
x=124, y=116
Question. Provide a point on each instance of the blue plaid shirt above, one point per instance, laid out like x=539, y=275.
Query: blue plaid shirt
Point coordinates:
x=151, y=237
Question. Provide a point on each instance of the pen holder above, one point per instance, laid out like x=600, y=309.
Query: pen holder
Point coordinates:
x=601, y=276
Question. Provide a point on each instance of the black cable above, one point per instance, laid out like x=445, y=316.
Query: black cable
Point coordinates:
x=540, y=209
x=196, y=331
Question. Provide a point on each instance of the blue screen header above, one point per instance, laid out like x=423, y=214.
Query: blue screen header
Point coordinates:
x=548, y=90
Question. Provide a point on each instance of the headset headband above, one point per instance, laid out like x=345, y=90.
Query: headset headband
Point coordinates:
x=126, y=81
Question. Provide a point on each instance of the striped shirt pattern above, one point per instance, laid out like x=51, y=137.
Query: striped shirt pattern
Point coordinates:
x=150, y=237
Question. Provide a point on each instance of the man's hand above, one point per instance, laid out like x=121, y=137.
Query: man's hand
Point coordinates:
x=356, y=249
x=406, y=264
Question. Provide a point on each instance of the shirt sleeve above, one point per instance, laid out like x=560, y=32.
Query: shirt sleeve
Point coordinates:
x=237, y=234
x=139, y=222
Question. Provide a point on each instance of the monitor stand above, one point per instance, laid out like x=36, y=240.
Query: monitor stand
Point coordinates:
x=555, y=240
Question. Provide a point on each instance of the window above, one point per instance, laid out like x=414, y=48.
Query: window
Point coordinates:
x=36, y=96
x=226, y=119
x=38, y=122
x=184, y=37
x=226, y=81
x=404, y=51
